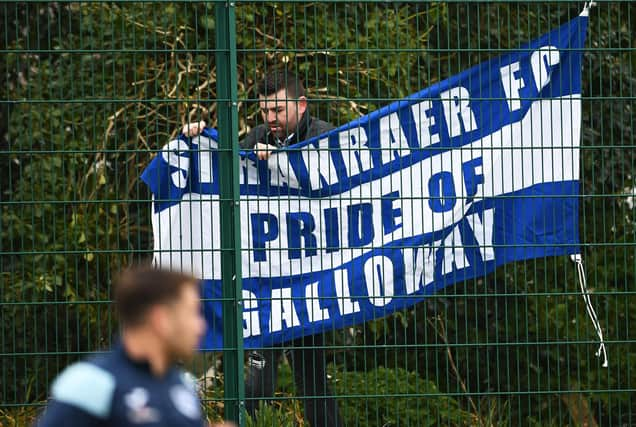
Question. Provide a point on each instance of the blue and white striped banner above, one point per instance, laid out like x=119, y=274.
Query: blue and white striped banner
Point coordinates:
x=474, y=172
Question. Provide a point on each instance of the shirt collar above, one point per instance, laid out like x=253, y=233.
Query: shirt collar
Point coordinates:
x=141, y=364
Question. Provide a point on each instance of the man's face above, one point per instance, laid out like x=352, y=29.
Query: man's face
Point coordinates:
x=282, y=114
x=186, y=324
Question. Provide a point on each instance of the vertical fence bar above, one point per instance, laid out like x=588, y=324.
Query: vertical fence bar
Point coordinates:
x=229, y=210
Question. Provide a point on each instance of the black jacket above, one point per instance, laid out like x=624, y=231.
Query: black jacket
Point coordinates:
x=308, y=127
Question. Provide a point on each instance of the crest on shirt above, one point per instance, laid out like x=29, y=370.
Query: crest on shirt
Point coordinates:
x=138, y=410
x=185, y=401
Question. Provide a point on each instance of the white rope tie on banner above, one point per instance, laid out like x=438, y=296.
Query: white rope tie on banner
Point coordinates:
x=586, y=8
x=578, y=259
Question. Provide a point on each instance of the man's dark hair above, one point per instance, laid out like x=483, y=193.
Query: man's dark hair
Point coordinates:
x=279, y=80
x=138, y=289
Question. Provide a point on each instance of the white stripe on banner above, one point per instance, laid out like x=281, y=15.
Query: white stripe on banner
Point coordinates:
x=474, y=172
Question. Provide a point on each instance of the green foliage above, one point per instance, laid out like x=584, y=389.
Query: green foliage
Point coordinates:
x=283, y=411
x=393, y=397
x=23, y=416
x=353, y=57
x=69, y=173
x=274, y=415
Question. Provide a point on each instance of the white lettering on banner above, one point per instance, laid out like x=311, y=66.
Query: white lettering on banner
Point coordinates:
x=419, y=266
x=282, y=171
x=512, y=83
x=457, y=112
x=393, y=142
x=345, y=304
x=354, y=149
x=172, y=154
x=314, y=311
x=319, y=164
x=424, y=123
x=243, y=171
x=283, y=310
x=205, y=146
x=542, y=61
x=356, y=155
x=483, y=230
x=419, y=262
x=454, y=256
x=378, y=275
x=251, y=325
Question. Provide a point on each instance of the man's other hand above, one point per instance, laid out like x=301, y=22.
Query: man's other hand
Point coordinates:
x=193, y=129
x=263, y=151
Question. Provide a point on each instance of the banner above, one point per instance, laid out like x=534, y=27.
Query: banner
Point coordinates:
x=471, y=173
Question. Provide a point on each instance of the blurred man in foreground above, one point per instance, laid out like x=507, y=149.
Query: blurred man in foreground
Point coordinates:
x=138, y=382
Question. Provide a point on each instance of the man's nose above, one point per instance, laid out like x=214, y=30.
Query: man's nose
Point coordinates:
x=271, y=116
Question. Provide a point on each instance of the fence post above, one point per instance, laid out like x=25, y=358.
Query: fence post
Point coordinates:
x=227, y=110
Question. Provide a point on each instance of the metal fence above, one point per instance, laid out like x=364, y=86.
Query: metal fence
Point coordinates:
x=91, y=92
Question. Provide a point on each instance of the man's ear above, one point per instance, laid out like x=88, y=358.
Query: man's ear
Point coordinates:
x=158, y=319
x=302, y=105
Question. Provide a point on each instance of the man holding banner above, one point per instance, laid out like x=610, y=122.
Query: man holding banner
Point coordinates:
x=287, y=121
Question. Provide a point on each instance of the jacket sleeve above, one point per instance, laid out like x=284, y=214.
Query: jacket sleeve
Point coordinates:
x=248, y=142
x=257, y=134
x=318, y=127
x=81, y=396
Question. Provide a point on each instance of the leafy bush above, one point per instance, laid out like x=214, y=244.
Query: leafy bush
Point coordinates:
x=394, y=397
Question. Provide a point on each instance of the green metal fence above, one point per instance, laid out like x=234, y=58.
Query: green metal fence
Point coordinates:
x=92, y=90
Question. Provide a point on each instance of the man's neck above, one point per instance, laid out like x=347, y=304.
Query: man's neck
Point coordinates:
x=141, y=345
x=295, y=135
x=286, y=138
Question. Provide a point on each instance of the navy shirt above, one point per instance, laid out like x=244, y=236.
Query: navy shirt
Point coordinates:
x=114, y=390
